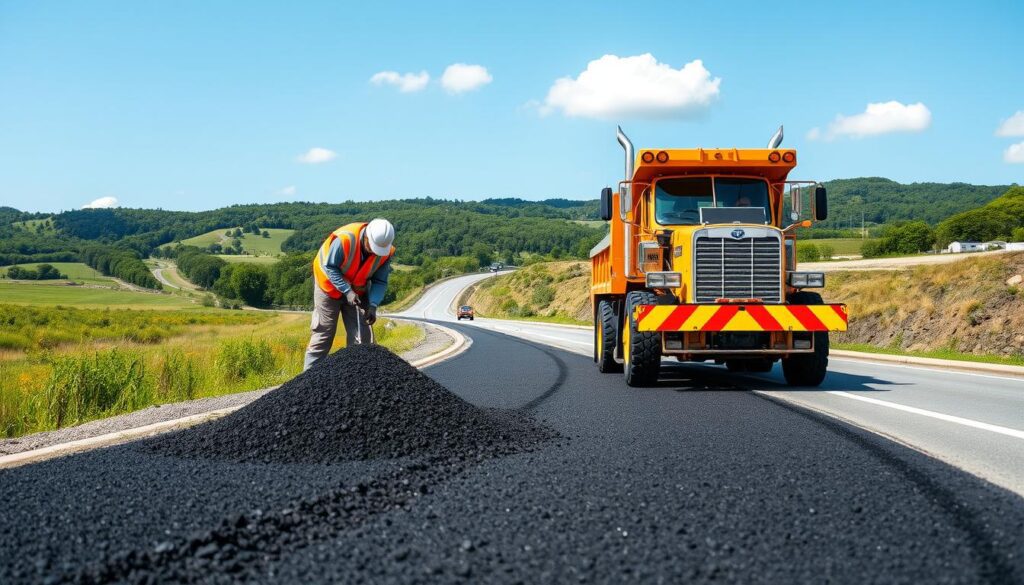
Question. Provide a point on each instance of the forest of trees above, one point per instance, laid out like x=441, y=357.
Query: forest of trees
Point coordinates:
x=881, y=201
x=1000, y=219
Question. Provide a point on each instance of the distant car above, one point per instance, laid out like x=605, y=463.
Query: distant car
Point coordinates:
x=495, y=267
x=465, y=312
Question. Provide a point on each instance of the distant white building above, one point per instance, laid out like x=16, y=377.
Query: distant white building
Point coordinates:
x=1015, y=246
x=959, y=247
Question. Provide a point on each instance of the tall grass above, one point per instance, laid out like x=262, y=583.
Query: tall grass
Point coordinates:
x=50, y=389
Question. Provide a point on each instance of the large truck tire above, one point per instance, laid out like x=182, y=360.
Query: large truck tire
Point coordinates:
x=807, y=369
x=642, y=350
x=606, y=337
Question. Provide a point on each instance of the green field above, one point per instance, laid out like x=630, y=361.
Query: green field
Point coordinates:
x=234, y=258
x=75, y=271
x=840, y=246
x=32, y=224
x=86, y=296
x=251, y=244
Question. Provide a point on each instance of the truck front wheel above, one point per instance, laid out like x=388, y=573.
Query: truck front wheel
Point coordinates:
x=807, y=369
x=642, y=349
x=605, y=338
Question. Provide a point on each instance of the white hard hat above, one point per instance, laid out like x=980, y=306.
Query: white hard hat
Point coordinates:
x=380, y=234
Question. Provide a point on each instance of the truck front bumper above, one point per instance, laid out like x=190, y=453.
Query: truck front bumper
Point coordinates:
x=740, y=317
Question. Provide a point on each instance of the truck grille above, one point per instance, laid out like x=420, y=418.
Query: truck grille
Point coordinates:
x=728, y=268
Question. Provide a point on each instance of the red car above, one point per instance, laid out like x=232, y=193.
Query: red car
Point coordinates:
x=465, y=312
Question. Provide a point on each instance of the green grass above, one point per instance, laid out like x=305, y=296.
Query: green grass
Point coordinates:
x=76, y=271
x=64, y=294
x=840, y=246
x=251, y=244
x=31, y=225
x=253, y=259
x=942, y=354
x=69, y=385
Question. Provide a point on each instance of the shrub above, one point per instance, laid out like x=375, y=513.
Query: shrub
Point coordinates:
x=543, y=295
x=808, y=253
x=826, y=251
x=240, y=359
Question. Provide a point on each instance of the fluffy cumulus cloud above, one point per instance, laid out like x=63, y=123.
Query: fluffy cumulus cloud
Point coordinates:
x=460, y=78
x=316, y=155
x=101, y=203
x=405, y=82
x=877, y=118
x=1014, y=154
x=633, y=87
x=1012, y=126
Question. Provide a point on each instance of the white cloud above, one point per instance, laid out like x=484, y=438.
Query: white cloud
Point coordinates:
x=460, y=77
x=640, y=86
x=1012, y=126
x=316, y=155
x=288, y=191
x=1014, y=154
x=405, y=82
x=101, y=203
x=877, y=118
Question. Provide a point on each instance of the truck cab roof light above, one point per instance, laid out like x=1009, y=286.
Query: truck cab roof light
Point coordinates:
x=774, y=156
x=662, y=157
x=647, y=157
x=788, y=157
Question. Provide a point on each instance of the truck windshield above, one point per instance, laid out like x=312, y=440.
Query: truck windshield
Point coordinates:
x=678, y=201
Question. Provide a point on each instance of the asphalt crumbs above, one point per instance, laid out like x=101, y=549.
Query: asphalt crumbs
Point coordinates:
x=695, y=480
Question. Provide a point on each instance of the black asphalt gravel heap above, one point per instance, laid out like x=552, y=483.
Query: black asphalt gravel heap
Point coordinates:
x=360, y=403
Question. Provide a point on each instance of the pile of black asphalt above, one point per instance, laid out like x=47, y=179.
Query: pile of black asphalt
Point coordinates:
x=360, y=434
x=360, y=403
x=696, y=480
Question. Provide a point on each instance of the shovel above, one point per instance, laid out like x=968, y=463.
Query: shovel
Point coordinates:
x=359, y=327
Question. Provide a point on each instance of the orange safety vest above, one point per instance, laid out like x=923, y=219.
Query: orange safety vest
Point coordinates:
x=356, y=269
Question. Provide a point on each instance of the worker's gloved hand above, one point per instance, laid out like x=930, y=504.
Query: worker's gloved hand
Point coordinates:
x=371, y=314
x=352, y=298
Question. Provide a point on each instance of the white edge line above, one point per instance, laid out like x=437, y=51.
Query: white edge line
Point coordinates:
x=1017, y=434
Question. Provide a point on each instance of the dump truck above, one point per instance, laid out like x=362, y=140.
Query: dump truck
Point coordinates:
x=699, y=264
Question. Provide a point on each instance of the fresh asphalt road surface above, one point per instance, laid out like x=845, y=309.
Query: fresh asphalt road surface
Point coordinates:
x=973, y=421
x=698, y=479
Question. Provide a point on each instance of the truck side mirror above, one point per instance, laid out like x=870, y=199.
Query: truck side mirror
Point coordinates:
x=820, y=203
x=606, y=203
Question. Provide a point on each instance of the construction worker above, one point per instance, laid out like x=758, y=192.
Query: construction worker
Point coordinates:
x=350, y=277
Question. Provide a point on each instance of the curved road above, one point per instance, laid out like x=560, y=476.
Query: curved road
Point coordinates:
x=698, y=480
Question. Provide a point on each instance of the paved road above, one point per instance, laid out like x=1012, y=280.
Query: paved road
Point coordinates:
x=973, y=421
x=698, y=480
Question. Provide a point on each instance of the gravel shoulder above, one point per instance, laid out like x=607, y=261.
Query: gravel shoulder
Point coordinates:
x=434, y=340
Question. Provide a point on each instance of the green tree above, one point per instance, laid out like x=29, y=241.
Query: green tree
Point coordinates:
x=482, y=252
x=249, y=283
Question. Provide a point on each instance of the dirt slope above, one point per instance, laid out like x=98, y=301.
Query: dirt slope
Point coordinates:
x=559, y=291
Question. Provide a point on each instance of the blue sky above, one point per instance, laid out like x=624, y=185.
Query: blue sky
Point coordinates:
x=197, y=105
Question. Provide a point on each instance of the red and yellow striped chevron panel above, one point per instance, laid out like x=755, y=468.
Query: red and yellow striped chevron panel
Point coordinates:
x=737, y=317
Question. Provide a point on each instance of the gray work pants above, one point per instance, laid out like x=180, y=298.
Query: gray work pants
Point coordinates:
x=324, y=325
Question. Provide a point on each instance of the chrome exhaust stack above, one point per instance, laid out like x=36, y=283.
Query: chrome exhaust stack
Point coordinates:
x=626, y=199
x=776, y=138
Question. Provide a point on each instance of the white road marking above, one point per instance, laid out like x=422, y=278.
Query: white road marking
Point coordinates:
x=1017, y=434
x=917, y=367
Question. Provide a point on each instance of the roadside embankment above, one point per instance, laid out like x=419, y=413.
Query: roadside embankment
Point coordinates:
x=974, y=306
x=548, y=291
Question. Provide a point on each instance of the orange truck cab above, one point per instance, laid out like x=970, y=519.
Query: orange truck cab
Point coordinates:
x=699, y=264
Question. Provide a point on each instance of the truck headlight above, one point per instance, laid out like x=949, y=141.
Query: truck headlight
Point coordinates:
x=807, y=279
x=664, y=280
